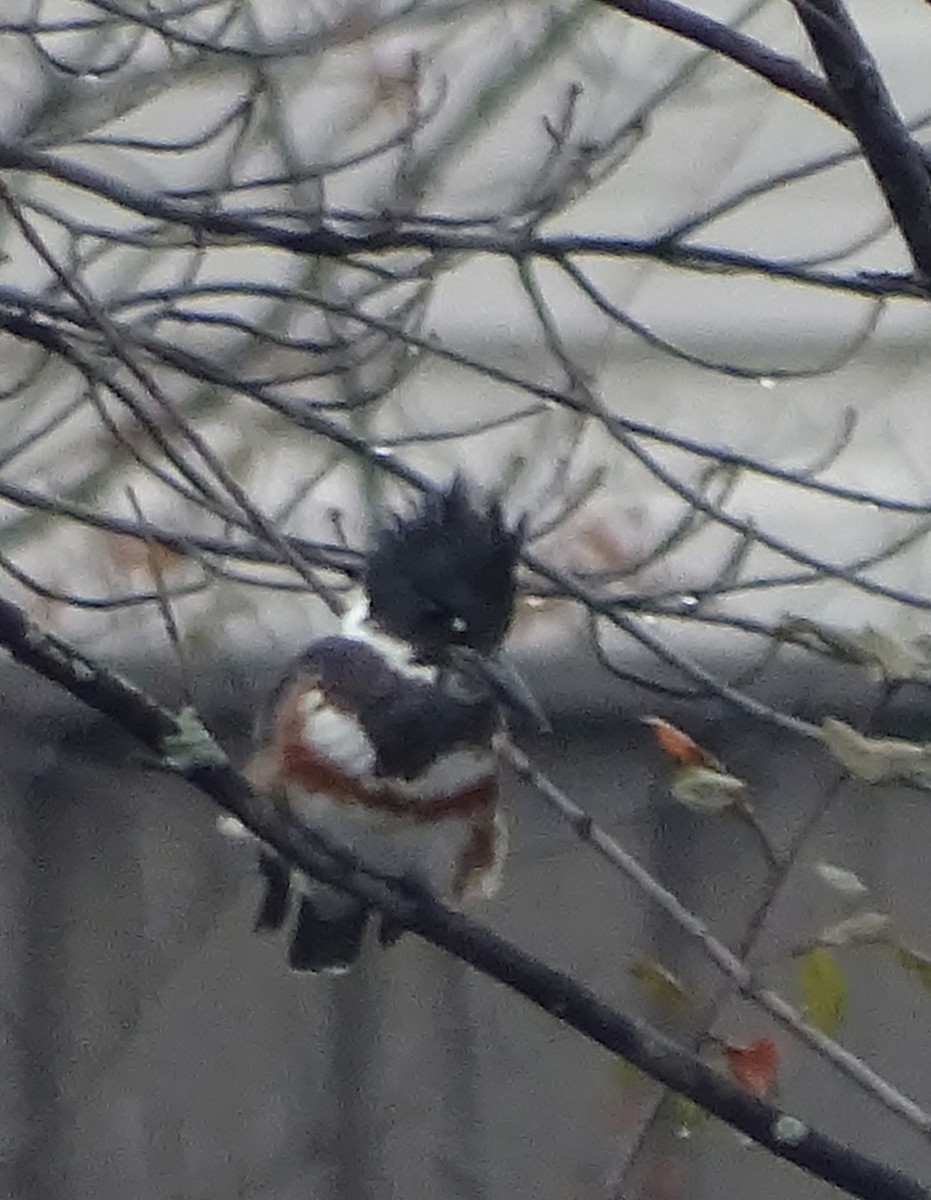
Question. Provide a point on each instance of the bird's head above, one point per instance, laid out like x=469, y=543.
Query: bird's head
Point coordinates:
x=441, y=576
x=442, y=579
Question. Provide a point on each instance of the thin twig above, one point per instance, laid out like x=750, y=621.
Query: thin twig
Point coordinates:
x=164, y=602
x=770, y=1001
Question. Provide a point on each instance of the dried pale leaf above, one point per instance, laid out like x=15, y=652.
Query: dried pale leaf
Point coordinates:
x=841, y=642
x=884, y=656
x=878, y=760
x=706, y=790
x=191, y=745
x=888, y=657
x=917, y=963
x=661, y=984
x=840, y=879
x=823, y=988
x=679, y=745
x=754, y=1066
x=861, y=927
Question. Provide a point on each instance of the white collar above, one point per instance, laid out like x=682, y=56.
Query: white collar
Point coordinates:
x=358, y=625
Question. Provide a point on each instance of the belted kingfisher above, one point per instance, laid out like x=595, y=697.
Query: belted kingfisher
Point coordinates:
x=381, y=738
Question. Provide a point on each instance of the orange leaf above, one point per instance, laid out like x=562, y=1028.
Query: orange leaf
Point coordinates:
x=680, y=746
x=754, y=1065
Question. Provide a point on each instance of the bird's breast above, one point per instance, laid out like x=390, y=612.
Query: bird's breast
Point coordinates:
x=456, y=856
x=322, y=750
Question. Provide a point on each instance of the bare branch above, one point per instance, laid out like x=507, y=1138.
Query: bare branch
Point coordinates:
x=895, y=158
x=783, y=73
x=382, y=235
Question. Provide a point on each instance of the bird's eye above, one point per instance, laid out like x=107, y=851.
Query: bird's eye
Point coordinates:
x=445, y=622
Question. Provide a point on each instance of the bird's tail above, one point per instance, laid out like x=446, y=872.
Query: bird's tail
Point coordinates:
x=276, y=899
x=328, y=932
x=330, y=925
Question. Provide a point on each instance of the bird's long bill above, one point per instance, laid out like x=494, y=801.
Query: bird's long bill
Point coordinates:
x=513, y=692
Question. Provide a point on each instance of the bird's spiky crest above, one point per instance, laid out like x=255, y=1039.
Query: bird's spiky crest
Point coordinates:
x=442, y=574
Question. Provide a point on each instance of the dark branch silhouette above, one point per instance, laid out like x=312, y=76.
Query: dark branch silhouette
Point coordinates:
x=895, y=158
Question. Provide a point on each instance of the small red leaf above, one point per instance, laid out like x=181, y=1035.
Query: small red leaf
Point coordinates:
x=680, y=746
x=754, y=1066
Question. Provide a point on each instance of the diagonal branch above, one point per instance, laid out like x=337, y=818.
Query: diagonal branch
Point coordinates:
x=186, y=747
x=895, y=158
x=732, y=966
x=782, y=72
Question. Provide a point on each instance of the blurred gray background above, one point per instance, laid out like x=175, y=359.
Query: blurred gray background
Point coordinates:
x=155, y=1047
